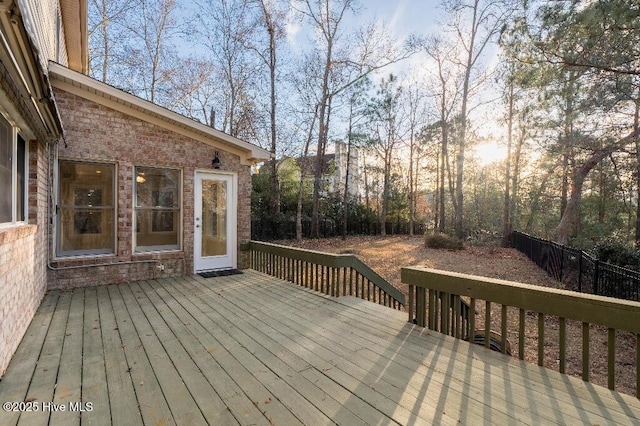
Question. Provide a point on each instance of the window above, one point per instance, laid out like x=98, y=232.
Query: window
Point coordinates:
x=13, y=163
x=87, y=209
x=157, y=209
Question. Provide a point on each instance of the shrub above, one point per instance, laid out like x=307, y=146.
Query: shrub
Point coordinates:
x=614, y=250
x=438, y=240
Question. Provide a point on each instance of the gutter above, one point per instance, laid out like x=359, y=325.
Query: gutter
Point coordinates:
x=27, y=70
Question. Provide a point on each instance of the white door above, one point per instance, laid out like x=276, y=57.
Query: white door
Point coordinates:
x=215, y=230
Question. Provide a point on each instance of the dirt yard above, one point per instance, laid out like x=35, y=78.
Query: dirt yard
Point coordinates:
x=388, y=255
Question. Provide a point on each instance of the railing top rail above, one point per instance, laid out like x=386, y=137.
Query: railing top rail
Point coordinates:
x=375, y=278
x=325, y=259
x=331, y=260
x=609, y=312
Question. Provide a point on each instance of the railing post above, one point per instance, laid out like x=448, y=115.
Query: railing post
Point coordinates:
x=432, y=306
x=420, y=308
x=445, y=313
x=344, y=281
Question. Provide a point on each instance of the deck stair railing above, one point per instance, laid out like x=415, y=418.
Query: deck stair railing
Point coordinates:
x=615, y=315
x=333, y=274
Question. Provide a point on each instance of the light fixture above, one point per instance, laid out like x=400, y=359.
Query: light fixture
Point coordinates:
x=216, y=161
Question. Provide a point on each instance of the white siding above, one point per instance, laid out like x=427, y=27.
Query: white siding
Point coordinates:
x=43, y=21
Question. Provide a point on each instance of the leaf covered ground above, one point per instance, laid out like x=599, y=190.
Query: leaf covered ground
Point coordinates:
x=386, y=255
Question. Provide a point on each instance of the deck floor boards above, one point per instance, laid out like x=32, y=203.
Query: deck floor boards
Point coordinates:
x=252, y=349
x=414, y=362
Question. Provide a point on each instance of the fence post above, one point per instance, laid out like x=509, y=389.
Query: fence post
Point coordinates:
x=561, y=261
x=580, y=271
x=596, y=275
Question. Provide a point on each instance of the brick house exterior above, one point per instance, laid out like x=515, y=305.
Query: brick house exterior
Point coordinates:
x=55, y=119
x=94, y=131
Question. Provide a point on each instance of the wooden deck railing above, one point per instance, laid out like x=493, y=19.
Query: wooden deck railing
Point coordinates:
x=332, y=274
x=431, y=292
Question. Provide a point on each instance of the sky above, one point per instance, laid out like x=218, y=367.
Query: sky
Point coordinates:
x=403, y=18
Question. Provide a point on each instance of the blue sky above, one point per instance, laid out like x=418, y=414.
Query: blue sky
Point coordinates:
x=402, y=17
x=405, y=16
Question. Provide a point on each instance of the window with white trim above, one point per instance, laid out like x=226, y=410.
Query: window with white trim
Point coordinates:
x=86, y=210
x=13, y=172
x=157, y=208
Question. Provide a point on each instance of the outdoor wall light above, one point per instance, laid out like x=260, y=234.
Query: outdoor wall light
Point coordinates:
x=216, y=161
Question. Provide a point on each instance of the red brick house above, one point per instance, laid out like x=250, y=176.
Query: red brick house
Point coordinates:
x=98, y=186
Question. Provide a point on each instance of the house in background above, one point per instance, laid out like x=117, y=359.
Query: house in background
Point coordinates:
x=98, y=186
x=334, y=169
x=342, y=152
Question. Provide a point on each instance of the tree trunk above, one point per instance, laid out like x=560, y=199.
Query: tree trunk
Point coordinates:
x=536, y=200
x=602, y=194
x=569, y=223
x=564, y=193
x=636, y=129
x=444, y=153
x=567, y=137
x=272, y=63
x=515, y=179
x=105, y=40
x=458, y=222
x=367, y=202
x=506, y=214
x=302, y=178
x=345, y=198
x=412, y=194
x=385, y=193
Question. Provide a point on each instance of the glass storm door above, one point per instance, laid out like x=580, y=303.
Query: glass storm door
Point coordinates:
x=214, y=222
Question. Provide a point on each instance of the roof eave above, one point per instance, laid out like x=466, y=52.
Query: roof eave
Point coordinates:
x=76, y=33
x=74, y=82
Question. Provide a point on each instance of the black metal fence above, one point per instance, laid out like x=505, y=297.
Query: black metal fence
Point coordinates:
x=578, y=270
x=267, y=230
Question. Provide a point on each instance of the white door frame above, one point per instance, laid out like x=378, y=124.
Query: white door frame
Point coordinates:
x=228, y=261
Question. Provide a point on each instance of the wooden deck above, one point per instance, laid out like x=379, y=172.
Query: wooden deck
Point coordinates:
x=252, y=349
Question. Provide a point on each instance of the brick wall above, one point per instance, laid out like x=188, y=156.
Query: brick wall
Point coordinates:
x=23, y=254
x=94, y=132
x=20, y=293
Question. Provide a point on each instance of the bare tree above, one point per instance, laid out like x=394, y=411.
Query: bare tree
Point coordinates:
x=195, y=89
x=387, y=122
x=346, y=60
x=414, y=98
x=475, y=23
x=151, y=52
x=107, y=25
x=271, y=19
x=356, y=113
x=506, y=209
x=225, y=26
x=326, y=16
x=636, y=129
x=447, y=96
